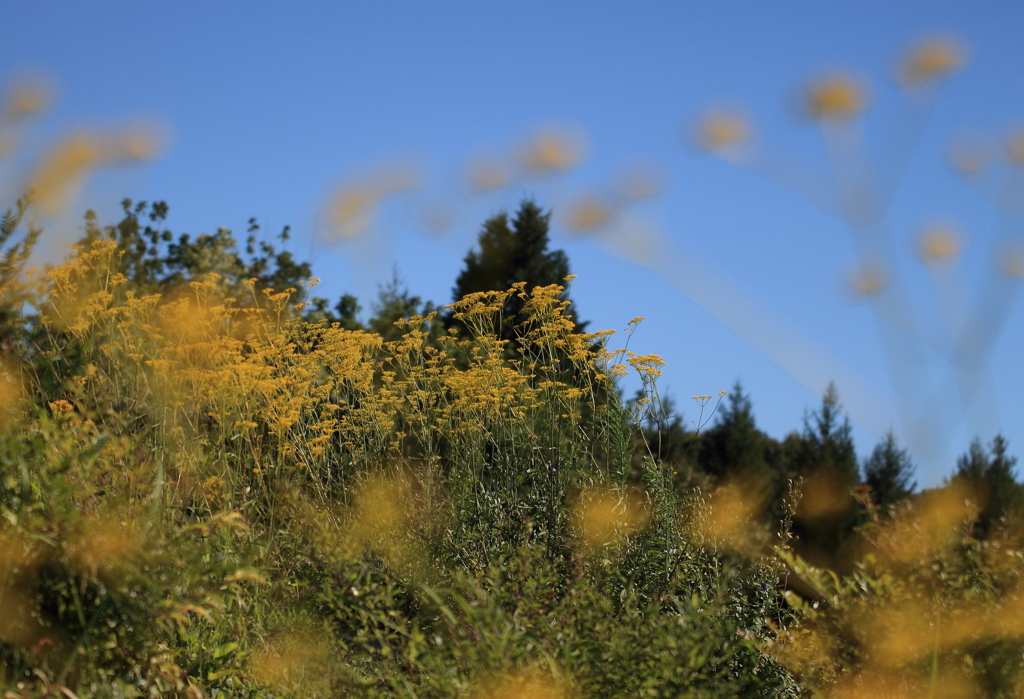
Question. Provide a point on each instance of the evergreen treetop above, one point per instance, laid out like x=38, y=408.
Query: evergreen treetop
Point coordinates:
x=735, y=444
x=990, y=479
x=827, y=443
x=888, y=472
x=510, y=252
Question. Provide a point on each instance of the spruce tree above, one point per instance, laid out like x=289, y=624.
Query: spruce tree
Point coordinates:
x=888, y=472
x=510, y=252
x=395, y=303
x=827, y=444
x=735, y=445
x=826, y=462
x=990, y=479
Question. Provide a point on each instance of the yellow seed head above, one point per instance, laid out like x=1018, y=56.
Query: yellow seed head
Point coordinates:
x=588, y=214
x=485, y=175
x=603, y=516
x=1011, y=262
x=350, y=211
x=1015, y=147
x=550, y=152
x=868, y=280
x=521, y=685
x=640, y=183
x=23, y=100
x=970, y=158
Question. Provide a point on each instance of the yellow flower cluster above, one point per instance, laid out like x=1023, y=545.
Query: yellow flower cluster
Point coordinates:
x=286, y=394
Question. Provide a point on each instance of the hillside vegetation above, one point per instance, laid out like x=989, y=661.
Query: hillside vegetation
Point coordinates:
x=212, y=487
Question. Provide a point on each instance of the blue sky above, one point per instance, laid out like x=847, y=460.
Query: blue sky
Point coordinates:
x=266, y=109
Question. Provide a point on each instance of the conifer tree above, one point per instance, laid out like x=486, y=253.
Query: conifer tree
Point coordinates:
x=825, y=460
x=888, y=472
x=395, y=303
x=990, y=479
x=735, y=445
x=509, y=252
x=827, y=444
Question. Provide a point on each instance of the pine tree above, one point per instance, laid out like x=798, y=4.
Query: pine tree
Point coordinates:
x=737, y=452
x=888, y=472
x=512, y=252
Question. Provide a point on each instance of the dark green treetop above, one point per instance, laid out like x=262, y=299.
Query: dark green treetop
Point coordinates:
x=825, y=461
x=509, y=252
x=888, y=472
x=990, y=478
x=827, y=443
x=394, y=304
x=734, y=444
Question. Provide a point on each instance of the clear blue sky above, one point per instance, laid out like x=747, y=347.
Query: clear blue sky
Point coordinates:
x=267, y=107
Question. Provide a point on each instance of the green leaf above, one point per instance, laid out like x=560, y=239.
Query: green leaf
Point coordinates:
x=225, y=649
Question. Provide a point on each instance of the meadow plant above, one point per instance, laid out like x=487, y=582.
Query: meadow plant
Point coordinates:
x=203, y=496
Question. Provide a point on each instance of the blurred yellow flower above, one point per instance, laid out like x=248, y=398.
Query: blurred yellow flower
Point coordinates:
x=930, y=60
x=834, y=97
x=939, y=242
x=720, y=130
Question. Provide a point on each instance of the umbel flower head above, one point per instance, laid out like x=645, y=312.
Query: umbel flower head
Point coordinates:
x=929, y=60
x=834, y=97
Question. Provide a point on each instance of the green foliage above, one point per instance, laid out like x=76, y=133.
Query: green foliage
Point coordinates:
x=888, y=473
x=94, y=588
x=509, y=254
x=345, y=312
x=930, y=609
x=208, y=488
x=210, y=496
x=14, y=291
x=990, y=480
x=827, y=445
x=734, y=446
x=826, y=461
x=153, y=261
x=395, y=306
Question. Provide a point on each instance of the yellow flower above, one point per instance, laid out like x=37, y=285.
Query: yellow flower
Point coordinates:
x=930, y=60
x=834, y=97
x=720, y=130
